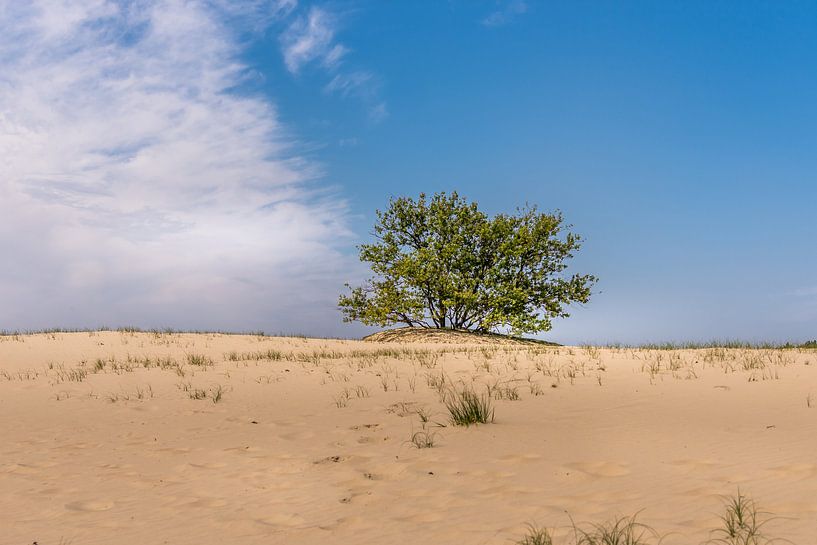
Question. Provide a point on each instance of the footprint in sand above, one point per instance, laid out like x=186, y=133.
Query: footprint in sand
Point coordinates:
x=297, y=436
x=92, y=505
x=597, y=500
x=289, y=520
x=600, y=469
x=695, y=465
x=209, y=503
x=174, y=450
x=797, y=472
x=21, y=469
x=206, y=465
x=48, y=491
x=356, y=523
x=423, y=517
x=703, y=492
x=521, y=458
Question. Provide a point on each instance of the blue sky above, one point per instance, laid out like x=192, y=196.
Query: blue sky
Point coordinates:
x=677, y=138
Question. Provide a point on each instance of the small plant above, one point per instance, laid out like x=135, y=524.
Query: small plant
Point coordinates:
x=423, y=438
x=505, y=391
x=536, y=536
x=466, y=407
x=144, y=393
x=216, y=393
x=428, y=360
x=621, y=531
x=342, y=399
x=592, y=352
x=197, y=393
x=402, y=408
x=199, y=360
x=741, y=523
x=114, y=397
x=361, y=391
x=439, y=383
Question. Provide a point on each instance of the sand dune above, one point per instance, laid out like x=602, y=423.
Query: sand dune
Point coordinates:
x=139, y=438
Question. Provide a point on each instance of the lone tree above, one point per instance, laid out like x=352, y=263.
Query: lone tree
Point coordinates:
x=442, y=263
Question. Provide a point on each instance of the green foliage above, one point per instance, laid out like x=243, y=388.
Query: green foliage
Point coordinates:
x=742, y=523
x=441, y=262
x=466, y=407
x=621, y=531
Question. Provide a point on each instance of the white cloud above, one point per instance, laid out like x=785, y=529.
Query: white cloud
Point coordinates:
x=364, y=86
x=360, y=83
x=378, y=112
x=506, y=13
x=137, y=188
x=311, y=38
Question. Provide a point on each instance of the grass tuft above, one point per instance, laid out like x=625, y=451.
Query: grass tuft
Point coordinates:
x=423, y=438
x=536, y=536
x=197, y=393
x=217, y=393
x=742, y=523
x=199, y=360
x=620, y=531
x=466, y=407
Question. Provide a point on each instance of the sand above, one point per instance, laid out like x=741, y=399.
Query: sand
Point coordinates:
x=313, y=447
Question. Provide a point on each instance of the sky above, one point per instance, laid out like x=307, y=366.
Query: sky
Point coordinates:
x=208, y=164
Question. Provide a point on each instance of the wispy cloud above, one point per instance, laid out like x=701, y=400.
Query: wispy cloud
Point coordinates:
x=360, y=83
x=311, y=38
x=508, y=10
x=137, y=187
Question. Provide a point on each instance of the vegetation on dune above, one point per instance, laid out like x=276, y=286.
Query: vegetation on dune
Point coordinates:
x=440, y=262
x=620, y=531
x=692, y=345
x=451, y=336
x=536, y=536
x=741, y=524
x=466, y=407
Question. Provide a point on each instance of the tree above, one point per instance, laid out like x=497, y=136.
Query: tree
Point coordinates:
x=442, y=263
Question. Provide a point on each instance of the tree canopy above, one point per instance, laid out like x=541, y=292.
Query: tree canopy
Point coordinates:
x=441, y=262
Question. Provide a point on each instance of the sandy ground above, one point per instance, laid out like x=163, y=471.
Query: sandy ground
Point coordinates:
x=103, y=441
